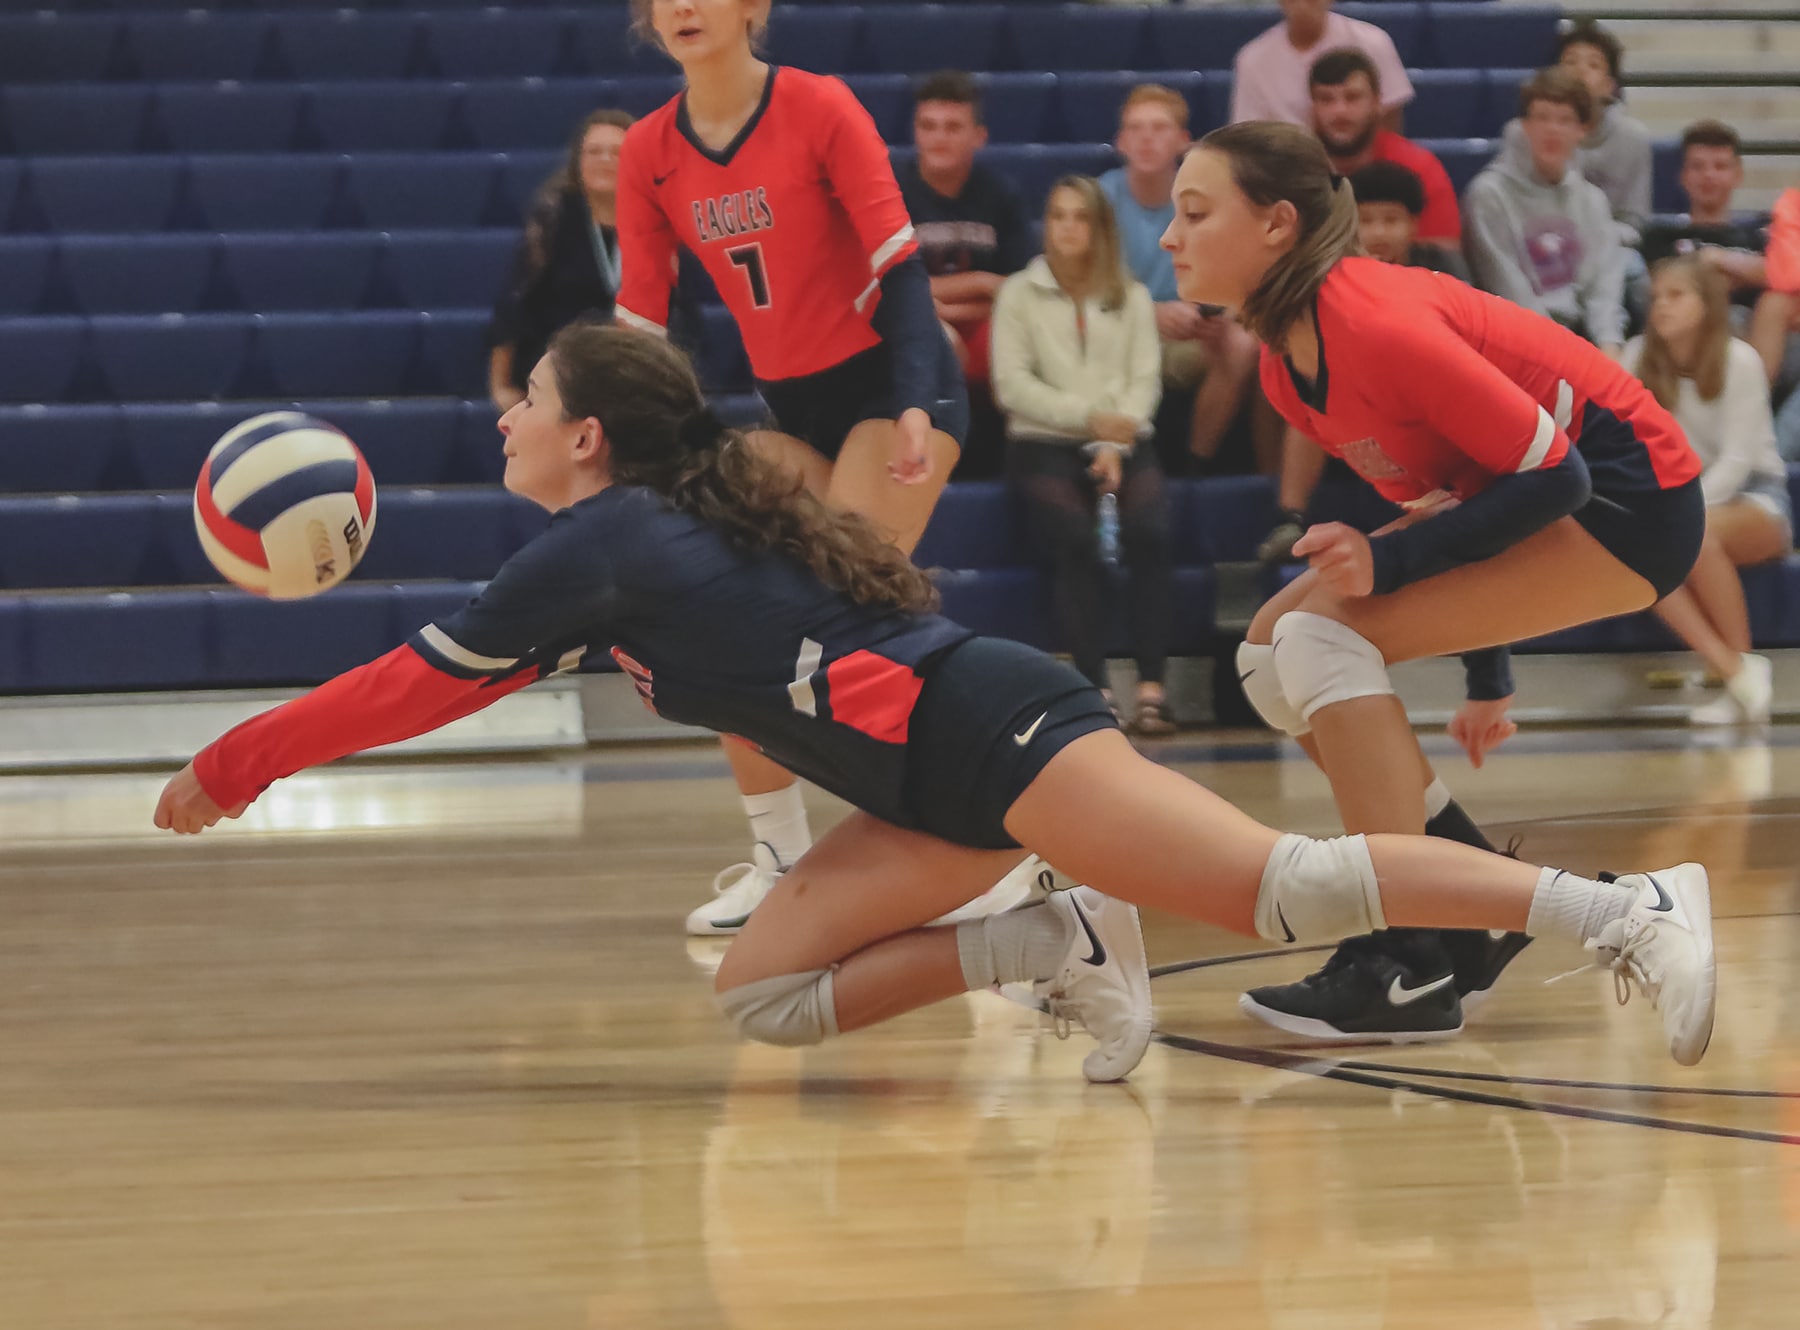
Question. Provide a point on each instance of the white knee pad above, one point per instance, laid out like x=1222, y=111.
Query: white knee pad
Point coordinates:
x=1318, y=891
x=1323, y=661
x=1262, y=686
x=791, y=1010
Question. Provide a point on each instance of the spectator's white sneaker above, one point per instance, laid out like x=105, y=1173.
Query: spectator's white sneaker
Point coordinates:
x=1749, y=696
x=1665, y=945
x=1031, y=877
x=1104, y=982
x=734, y=897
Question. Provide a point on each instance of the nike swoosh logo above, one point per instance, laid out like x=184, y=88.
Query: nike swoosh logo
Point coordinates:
x=1400, y=995
x=1667, y=906
x=658, y=180
x=1025, y=735
x=1284, y=925
x=1098, y=955
x=1247, y=673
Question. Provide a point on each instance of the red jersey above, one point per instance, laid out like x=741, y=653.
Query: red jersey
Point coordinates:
x=796, y=221
x=1442, y=219
x=1429, y=389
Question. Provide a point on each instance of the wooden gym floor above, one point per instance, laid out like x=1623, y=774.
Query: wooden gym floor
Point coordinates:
x=423, y=1046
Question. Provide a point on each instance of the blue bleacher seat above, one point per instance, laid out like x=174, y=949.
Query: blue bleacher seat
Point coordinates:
x=1005, y=602
x=1074, y=36
x=345, y=44
x=148, y=274
x=521, y=176
x=1665, y=167
x=1206, y=37
x=75, y=641
x=457, y=533
x=640, y=94
x=825, y=41
x=72, y=540
x=720, y=360
x=301, y=270
x=108, y=195
x=76, y=117
x=495, y=43
x=479, y=459
x=1088, y=104
x=288, y=193
x=1406, y=24
x=256, y=118
x=919, y=38
x=1502, y=98
x=59, y=449
x=1193, y=616
x=48, y=47
x=352, y=117
x=975, y=525
x=262, y=642
x=601, y=42
x=197, y=44
x=393, y=190
x=166, y=442
x=1463, y=159
x=450, y=269
x=1018, y=108
x=175, y=557
x=11, y=173
x=338, y=355
x=1465, y=36
x=1034, y=167
x=407, y=442
x=170, y=357
x=40, y=358
x=1222, y=519
x=419, y=603
x=1448, y=104
x=531, y=113
x=453, y=352
x=888, y=99
x=14, y=665
x=26, y=266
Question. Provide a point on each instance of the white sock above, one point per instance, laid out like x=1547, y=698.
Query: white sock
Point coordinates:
x=1020, y=946
x=1576, y=908
x=778, y=820
x=1437, y=798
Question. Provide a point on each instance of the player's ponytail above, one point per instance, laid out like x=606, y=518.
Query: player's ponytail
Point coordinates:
x=663, y=436
x=1274, y=163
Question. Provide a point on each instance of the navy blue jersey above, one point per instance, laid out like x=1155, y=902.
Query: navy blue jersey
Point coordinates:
x=745, y=644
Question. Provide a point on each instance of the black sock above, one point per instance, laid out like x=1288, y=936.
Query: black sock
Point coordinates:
x=1454, y=824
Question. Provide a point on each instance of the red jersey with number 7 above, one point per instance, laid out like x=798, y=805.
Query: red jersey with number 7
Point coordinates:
x=796, y=220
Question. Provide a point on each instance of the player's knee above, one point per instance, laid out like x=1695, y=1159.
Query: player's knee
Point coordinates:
x=1262, y=689
x=791, y=1010
x=1318, y=891
x=1322, y=662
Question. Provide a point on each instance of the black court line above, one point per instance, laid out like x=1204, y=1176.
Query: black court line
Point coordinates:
x=1261, y=1057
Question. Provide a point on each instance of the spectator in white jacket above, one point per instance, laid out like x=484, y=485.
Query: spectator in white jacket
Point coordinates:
x=1077, y=368
x=1715, y=386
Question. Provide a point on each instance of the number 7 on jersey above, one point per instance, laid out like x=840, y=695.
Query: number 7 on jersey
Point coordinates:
x=750, y=259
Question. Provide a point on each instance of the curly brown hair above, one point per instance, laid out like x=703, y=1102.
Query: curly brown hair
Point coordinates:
x=663, y=437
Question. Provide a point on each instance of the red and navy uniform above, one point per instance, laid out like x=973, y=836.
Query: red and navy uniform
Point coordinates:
x=1431, y=390
x=801, y=226
x=745, y=644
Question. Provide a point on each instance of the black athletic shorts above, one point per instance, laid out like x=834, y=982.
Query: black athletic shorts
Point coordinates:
x=1655, y=533
x=991, y=715
x=821, y=409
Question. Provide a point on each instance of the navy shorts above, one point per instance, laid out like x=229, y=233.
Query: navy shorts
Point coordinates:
x=1655, y=533
x=990, y=717
x=821, y=409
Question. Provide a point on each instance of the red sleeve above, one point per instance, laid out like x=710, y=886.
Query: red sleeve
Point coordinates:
x=1442, y=219
x=1462, y=396
x=392, y=698
x=862, y=178
x=647, y=244
x=1783, y=257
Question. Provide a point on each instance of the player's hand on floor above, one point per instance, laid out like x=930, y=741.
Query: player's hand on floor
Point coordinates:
x=911, y=464
x=186, y=809
x=1481, y=727
x=1340, y=555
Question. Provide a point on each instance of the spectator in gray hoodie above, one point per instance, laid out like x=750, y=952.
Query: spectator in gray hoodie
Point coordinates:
x=1538, y=233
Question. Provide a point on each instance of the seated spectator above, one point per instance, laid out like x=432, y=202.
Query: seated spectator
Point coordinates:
x=1269, y=77
x=1714, y=385
x=1076, y=369
x=1536, y=232
x=1712, y=168
x=1346, y=115
x=1390, y=212
x=968, y=222
x=567, y=265
x=1205, y=353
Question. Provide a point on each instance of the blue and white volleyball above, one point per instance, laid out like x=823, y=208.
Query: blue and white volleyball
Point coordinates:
x=285, y=505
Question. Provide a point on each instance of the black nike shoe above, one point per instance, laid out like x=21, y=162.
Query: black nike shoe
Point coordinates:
x=1478, y=966
x=1361, y=996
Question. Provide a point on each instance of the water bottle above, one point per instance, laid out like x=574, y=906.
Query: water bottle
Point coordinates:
x=1107, y=528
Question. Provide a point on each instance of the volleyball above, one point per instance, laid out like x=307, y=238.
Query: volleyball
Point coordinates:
x=285, y=505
